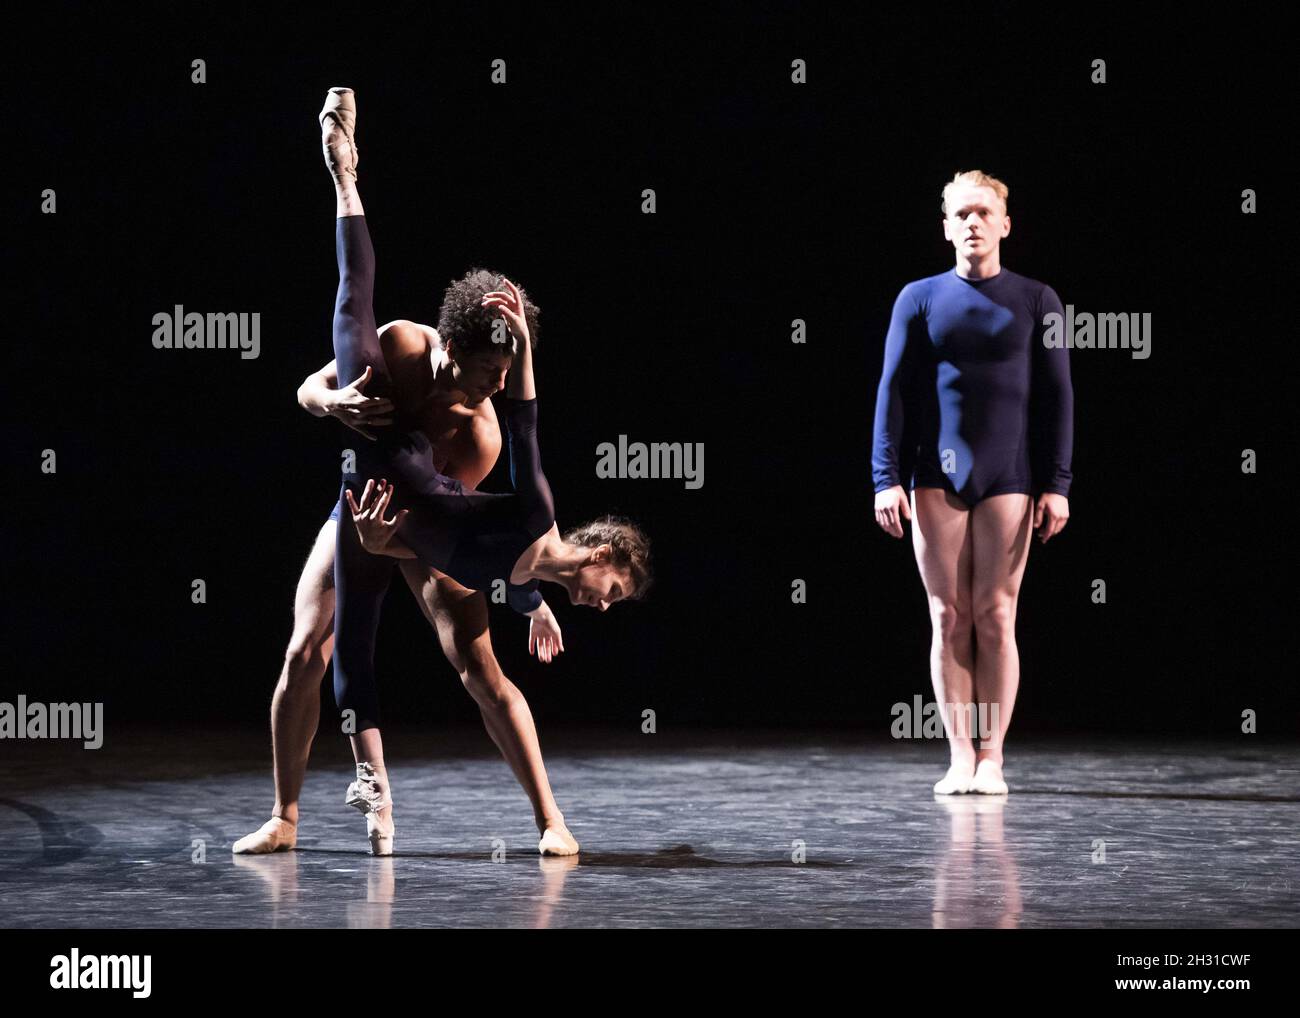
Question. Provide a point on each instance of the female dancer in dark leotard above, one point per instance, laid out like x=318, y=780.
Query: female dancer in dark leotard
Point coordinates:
x=991, y=439
x=474, y=537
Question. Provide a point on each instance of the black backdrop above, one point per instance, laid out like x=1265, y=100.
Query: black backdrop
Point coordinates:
x=776, y=202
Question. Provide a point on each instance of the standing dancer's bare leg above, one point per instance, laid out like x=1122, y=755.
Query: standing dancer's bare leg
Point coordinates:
x=1001, y=526
x=941, y=538
x=295, y=707
x=972, y=562
x=460, y=617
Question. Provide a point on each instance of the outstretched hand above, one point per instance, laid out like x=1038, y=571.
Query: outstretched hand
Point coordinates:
x=375, y=532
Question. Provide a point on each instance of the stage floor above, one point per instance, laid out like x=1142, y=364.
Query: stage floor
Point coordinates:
x=698, y=830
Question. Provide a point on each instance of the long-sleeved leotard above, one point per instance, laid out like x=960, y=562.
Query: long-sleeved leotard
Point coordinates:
x=994, y=407
x=474, y=537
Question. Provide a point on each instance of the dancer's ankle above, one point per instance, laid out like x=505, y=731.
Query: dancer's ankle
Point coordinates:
x=287, y=813
x=991, y=755
x=544, y=822
x=347, y=201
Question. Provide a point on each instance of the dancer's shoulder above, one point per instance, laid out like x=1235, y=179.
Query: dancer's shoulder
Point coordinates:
x=406, y=337
x=918, y=291
x=1041, y=292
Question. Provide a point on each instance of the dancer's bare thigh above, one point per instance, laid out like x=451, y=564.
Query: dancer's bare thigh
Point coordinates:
x=1002, y=528
x=941, y=539
x=313, y=603
x=458, y=615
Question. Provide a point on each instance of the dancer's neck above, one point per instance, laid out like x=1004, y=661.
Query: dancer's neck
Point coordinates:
x=550, y=558
x=445, y=392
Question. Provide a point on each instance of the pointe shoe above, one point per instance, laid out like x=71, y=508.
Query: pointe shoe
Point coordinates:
x=956, y=781
x=557, y=841
x=368, y=794
x=340, y=146
x=988, y=779
x=276, y=835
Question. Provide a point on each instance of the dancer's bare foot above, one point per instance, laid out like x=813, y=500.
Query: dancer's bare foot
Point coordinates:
x=556, y=840
x=276, y=835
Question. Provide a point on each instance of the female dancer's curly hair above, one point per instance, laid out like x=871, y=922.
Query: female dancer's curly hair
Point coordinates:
x=464, y=322
x=629, y=545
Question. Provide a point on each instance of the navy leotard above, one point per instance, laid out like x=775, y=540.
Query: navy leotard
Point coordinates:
x=474, y=537
x=986, y=400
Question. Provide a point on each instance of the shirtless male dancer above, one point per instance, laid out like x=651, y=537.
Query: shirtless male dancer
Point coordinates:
x=447, y=386
x=993, y=440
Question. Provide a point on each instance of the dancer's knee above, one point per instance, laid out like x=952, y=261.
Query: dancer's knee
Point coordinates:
x=995, y=622
x=352, y=319
x=487, y=684
x=951, y=620
x=304, y=663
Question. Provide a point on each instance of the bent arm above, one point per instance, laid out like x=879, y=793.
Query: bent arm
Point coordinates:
x=316, y=389
x=395, y=548
x=526, y=474
x=520, y=383
x=887, y=432
x=525, y=600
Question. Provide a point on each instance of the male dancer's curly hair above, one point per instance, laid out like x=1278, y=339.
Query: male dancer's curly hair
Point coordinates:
x=464, y=322
x=629, y=546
